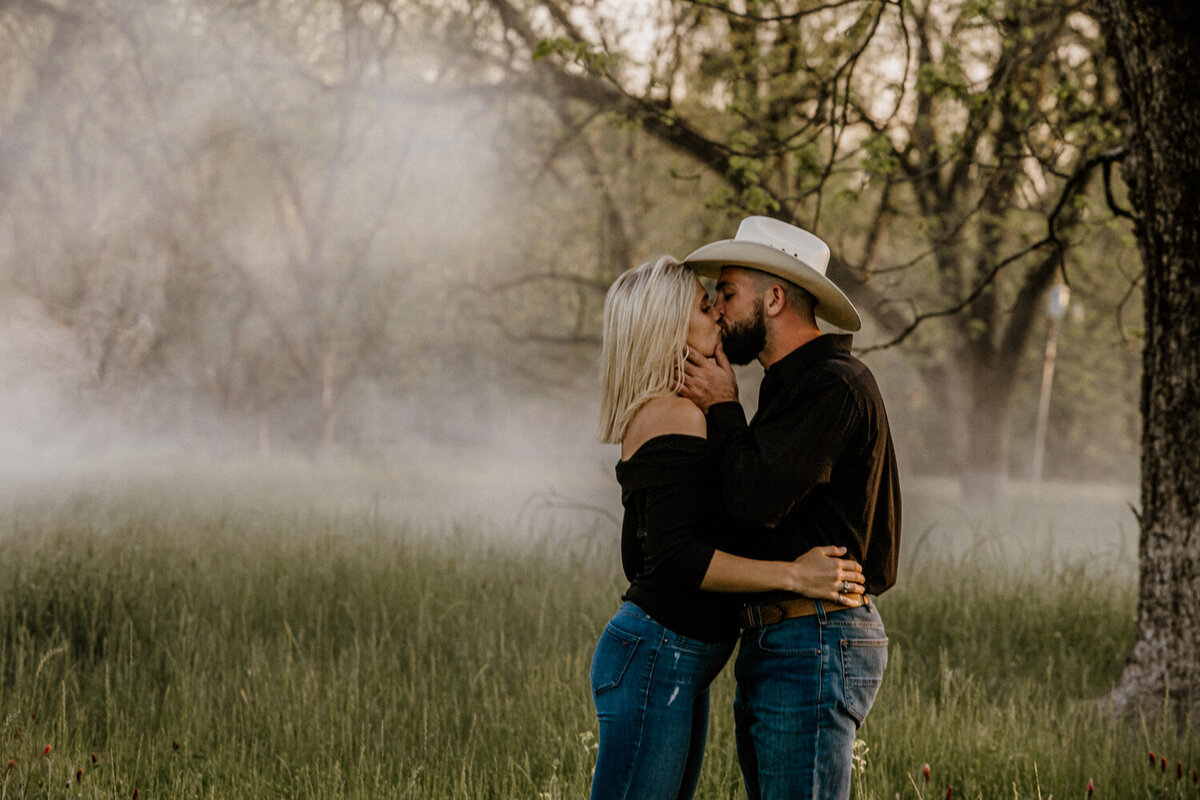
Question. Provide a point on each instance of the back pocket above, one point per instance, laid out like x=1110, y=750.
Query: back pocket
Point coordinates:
x=614, y=651
x=863, y=663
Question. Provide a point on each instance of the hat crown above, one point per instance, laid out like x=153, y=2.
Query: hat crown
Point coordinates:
x=795, y=242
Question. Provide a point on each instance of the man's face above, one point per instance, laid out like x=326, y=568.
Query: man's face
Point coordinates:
x=740, y=315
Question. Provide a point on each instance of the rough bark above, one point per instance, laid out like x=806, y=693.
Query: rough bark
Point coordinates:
x=1157, y=47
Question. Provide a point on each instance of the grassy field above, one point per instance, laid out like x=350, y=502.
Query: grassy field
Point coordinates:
x=183, y=644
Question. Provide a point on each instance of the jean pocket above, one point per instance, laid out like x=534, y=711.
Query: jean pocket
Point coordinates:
x=863, y=663
x=614, y=651
x=790, y=640
x=697, y=646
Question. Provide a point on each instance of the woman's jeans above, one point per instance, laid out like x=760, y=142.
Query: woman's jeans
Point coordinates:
x=650, y=686
x=804, y=685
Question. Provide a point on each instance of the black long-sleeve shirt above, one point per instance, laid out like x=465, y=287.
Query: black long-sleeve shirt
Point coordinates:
x=668, y=536
x=816, y=465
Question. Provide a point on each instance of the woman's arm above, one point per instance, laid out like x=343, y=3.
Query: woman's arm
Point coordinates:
x=820, y=574
x=672, y=513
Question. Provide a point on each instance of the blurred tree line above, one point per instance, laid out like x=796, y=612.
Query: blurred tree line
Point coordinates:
x=299, y=223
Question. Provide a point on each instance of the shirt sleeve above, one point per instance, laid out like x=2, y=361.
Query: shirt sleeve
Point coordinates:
x=766, y=470
x=670, y=530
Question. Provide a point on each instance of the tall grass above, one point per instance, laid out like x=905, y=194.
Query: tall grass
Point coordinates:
x=223, y=651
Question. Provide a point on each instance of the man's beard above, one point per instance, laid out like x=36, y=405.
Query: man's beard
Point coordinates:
x=743, y=341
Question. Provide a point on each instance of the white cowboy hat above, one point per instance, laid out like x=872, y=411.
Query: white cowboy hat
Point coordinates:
x=787, y=252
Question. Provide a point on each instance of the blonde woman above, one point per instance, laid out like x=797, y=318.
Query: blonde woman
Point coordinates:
x=677, y=623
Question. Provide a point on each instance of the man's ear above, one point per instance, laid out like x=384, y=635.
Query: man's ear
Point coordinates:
x=774, y=301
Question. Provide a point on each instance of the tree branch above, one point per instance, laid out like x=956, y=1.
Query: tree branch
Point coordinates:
x=796, y=15
x=1051, y=239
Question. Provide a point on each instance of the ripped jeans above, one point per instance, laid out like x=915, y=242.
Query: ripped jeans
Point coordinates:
x=650, y=686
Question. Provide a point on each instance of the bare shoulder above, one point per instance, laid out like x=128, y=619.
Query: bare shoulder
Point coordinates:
x=660, y=417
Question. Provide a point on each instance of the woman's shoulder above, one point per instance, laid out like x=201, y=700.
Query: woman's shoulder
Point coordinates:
x=669, y=414
x=663, y=416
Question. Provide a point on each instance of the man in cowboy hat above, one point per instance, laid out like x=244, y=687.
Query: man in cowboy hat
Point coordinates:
x=815, y=466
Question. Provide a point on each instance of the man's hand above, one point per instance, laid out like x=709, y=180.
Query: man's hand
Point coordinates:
x=707, y=383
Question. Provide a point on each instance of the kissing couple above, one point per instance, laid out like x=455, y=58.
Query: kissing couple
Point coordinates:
x=772, y=535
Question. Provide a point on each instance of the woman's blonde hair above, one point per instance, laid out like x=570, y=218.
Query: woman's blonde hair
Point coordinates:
x=647, y=312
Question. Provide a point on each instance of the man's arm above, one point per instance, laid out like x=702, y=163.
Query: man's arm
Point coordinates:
x=766, y=470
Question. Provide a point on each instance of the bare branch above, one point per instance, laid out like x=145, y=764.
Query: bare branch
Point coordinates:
x=1051, y=239
x=1108, y=194
x=797, y=15
x=1136, y=283
x=966, y=301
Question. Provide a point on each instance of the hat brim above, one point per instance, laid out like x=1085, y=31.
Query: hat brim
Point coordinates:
x=832, y=304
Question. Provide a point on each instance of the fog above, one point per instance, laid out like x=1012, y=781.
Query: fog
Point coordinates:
x=271, y=234
x=323, y=252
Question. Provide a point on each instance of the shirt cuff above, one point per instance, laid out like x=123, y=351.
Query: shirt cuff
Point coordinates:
x=725, y=415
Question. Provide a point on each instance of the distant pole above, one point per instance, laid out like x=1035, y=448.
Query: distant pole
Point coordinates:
x=1056, y=309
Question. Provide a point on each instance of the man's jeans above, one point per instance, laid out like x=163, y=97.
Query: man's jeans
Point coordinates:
x=650, y=686
x=804, y=686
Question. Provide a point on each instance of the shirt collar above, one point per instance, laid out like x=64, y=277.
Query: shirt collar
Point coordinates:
x=816, y=349
x=788, y=369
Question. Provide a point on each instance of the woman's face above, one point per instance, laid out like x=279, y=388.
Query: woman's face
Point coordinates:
x=703, y=331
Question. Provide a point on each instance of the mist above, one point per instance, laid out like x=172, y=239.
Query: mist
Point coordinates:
x=234, y=232
x=322, y=250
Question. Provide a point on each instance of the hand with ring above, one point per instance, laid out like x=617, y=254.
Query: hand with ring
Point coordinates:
x=823, y=574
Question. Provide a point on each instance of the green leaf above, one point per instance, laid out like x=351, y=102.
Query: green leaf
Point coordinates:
x=880, y=158
x=757, y=201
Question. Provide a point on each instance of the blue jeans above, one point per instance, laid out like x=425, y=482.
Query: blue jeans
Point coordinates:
x=650, y=686
x=804, y=686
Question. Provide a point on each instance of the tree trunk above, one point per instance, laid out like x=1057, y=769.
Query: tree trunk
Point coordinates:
x=331, y=398
x=1156, y=45
x=18, y=137
x=985, y=471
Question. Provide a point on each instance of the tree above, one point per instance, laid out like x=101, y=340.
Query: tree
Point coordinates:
x=217, y=199
x=954, y=140
x=993, y=169
x=1156, y=45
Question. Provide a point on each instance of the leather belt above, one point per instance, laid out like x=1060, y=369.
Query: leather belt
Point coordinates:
x=764, y=614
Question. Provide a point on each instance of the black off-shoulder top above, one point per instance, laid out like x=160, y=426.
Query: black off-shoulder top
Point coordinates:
x=674, y=520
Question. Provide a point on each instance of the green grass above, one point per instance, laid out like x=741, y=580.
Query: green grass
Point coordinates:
x=202, y=647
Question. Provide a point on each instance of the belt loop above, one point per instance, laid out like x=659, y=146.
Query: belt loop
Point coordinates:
x=755, y=617
x=820, y=606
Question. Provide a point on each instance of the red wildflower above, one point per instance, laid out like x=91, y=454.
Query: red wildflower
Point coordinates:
x=1091, y=788
x=1153, y=759
x=33, y=715
x=79, y=775
x=1164, y=763
x=1179, y=769
x=925, y=772
x=949, y=792
x=135, y=794
x=11, y=766
x=175, y=744
x=94, y=759
x=45, y=752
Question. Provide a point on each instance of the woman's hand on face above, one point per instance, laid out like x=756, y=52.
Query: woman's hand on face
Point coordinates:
x=823, y=574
